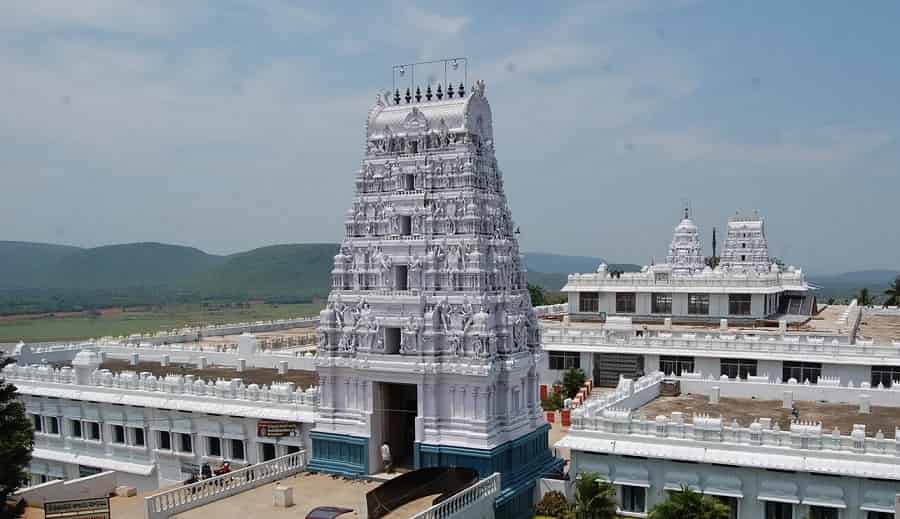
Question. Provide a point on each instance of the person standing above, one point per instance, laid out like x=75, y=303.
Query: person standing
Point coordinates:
x=386, y=458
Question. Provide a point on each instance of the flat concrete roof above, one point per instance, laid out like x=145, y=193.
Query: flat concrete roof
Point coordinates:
x=882, y=328
x=746, y=411
x=303, y=379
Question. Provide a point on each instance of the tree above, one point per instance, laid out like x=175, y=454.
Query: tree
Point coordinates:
x=595, y=498
x=687, y=503
x=537, y=294
x=16, y=442
x=572, y=381
x=864, y=299
x=893, y=293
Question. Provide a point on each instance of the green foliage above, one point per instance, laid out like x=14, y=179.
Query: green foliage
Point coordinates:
x=893, y=293
x=553, y=402
x=16, y=441
x=553, y=504
x=595, y=498
x=537, y=294
x=687, y=503
x=572, y=381
x=864, y=298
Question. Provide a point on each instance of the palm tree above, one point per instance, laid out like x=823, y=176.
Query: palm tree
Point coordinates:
x=864, y=299
x=893, y=293
x=687, y=503
x=595, y=498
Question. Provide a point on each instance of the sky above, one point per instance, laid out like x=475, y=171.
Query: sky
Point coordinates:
x=233, y=124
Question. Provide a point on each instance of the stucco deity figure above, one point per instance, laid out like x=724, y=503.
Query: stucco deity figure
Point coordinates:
x=384, y=265
x=457, y=346
x=323, y=339
x=344, y=343
x=410, y=336
x=415, y=271
x=444, y=309
x=467, y=311
x=339, y=308
x=519, y=335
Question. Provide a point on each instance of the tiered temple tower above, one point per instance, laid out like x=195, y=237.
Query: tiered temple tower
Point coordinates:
x=746, y=247
x=686, y=251
x=428, y=342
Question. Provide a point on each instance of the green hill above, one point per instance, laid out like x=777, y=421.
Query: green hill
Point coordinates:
x=25, y=264
x=36, y=278
x=284, y=273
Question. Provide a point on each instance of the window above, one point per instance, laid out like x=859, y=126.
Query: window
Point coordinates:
x=75, y=428
x=662, y=304
x=137, y=435
x=801, y=371
x=391, y=340
x=625, y=302
x=237, y=449
x=698, y=304
x=589, y=302
x=879, y=515
x=662, y=277
x=164, y=440
x=823, y=512
x=671, y=365
x=564, y=359
x=213, y=447
x=52, y=425
x=185, y=444
x=739, y=304
x=779, y=510
x=93, y=430
x=739, y=368
x=885, y=375
x=118, y=434
x=267, y=451
x=38, y=423
x=405, y=225
x=634, y=499
x=401, y=277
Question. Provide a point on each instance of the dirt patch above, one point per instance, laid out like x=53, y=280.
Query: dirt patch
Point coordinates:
x=745, y=411
x=260, y=376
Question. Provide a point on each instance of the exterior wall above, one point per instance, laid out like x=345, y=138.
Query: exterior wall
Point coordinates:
x=847, y=373
x=854, y=490
x=709, y=365
x=98, y=485
x=146, y=467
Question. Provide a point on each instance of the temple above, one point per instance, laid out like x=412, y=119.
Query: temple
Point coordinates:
x=429, y=342
x=743, y=285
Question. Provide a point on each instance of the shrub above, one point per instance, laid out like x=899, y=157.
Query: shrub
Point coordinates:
x=553, y=402
x=553, y=504
x=572, y=381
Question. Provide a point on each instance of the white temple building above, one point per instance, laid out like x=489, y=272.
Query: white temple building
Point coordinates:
x=429, y=343
x=746, y=285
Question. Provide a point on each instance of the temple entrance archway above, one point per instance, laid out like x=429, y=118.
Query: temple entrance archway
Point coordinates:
x=396, y=408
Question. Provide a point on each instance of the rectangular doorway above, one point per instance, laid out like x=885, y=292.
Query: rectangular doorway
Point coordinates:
x=397, y=408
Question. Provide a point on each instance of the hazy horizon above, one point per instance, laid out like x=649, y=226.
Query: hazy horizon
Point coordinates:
x=228, y=126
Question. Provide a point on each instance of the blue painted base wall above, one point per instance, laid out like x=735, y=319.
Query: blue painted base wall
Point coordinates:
x=340, y=454
x=519, y=462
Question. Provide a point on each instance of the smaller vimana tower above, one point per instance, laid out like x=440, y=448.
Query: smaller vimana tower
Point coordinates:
x=428, y=342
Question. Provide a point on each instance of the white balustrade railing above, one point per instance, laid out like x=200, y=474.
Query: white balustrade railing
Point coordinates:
x=561, y=336
x=466, y=503
x=186, y=497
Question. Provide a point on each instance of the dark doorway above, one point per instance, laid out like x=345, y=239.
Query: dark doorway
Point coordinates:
x=268, y=451
x=398, y=422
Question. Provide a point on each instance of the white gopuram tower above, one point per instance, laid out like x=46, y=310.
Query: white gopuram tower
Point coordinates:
x=746, y=247
x=686, y=251
x=428, y=342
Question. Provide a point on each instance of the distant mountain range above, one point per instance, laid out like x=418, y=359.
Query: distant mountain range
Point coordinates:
x=39, y=277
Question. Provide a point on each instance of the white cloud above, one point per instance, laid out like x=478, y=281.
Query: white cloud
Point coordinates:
x=823, y=145
x=432, y=23
x=116, y=16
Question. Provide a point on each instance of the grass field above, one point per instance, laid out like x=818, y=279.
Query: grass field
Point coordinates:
x=115, y=323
